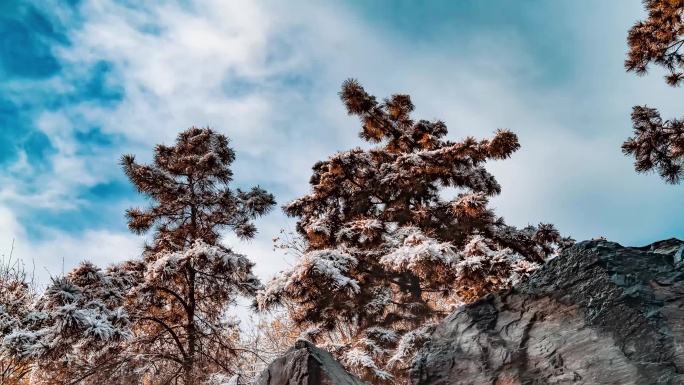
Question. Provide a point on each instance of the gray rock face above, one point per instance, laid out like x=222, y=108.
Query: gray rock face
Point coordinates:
x=305, y=364
x=598, y=314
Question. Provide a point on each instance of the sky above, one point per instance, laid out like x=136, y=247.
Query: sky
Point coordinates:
x=83, y=82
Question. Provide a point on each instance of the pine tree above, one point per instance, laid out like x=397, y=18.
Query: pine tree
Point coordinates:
x=78, y=330
x=657, y=145
x=17, y=295
x=188, y=278
x=384, y=252
x=658, y=40
x=159, y=319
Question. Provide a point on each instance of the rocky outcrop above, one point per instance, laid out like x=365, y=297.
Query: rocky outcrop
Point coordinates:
x=305, y=364
x=598, y=314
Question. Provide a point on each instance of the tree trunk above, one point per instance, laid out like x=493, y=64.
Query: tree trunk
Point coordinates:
x=189, y=364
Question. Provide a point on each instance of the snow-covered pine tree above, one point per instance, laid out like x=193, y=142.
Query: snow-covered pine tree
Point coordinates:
x=17, y=296
x=78, y=330
x=382, y=246
x=159, y=319
x=658, y=145
x=188, y=279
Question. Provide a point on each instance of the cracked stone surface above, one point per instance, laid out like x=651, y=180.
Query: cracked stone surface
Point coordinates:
x=598, y=314
x=305, y=364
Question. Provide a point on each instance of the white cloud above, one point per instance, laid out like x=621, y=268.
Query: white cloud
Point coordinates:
x=58, y=250
x=10, y=231
x=98, y=246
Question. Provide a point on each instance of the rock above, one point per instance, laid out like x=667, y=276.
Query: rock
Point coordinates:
x=598, y=314
x=305, y=364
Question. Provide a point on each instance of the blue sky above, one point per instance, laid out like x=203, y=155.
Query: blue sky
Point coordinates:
x=83, y=82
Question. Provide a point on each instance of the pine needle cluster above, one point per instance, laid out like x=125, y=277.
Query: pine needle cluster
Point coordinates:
x=657, y=144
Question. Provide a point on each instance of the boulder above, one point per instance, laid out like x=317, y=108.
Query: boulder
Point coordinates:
x=305, y=364
x=599, y=313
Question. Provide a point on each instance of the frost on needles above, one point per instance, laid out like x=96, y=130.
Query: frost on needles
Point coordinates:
x=385, y=255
